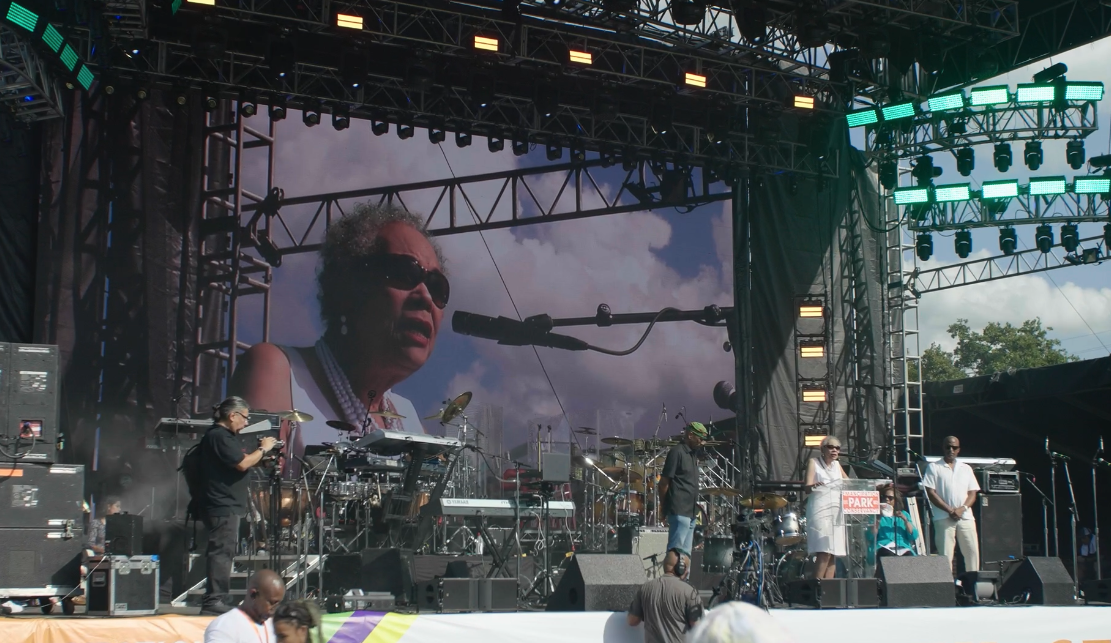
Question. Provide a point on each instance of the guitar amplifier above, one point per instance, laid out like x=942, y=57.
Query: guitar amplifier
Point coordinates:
x=999, y=481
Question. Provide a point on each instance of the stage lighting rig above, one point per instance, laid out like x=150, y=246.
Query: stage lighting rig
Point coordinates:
x=688, y=12
x=1074, y=154
x=1043, y=238
x=211, y=99
x=520, y=144
x=554, y=151
x=1070, y=237
x=405, y=130
x=495, y=143
x=578, y=152
x=179, y=96
x=277, y=107
x=1008, y=241
x=142, y=89
x=1002, y=157
x=248, y=103
x=925, y=171
x=889, y=174
x=310, y=114
x=962, y=243
x=436, y=134
x=966, y=161
x=1051, y=73
x=924, y=246
x=1033, y=155
x=1100, y=162
x=341, y=116
x=379, y=126
x=462, y=138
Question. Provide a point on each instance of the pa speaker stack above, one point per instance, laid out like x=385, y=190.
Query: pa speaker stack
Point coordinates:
x=598, y=583
x=917, y=581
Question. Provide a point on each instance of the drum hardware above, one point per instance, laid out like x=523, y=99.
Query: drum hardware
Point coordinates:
x=721, y=491
x=764, y=501
x=788, y=529
x=717, y=554
x=616, y=441
x=586, y=430
x=341, y=425
x=295, y=416
x=452, y=408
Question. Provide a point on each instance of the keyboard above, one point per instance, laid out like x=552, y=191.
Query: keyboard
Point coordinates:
x=494, y=508
x=385, y=442
x=990, y=464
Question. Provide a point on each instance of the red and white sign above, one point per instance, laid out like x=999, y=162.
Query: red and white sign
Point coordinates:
x=860, y=502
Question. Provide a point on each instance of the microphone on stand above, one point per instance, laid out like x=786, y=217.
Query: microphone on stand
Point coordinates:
x=1053, y=455
x=534, y=331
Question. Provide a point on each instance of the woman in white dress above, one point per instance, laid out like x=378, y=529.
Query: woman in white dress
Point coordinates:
x=826, y=536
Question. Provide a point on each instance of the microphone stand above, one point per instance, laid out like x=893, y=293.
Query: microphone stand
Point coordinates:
x=1045, y=510
x=1097, y=460
x=1053, y=491
x=1072, y=519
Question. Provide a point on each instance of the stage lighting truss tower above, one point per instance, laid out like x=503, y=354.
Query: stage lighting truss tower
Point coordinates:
x=228, y=266
x=1023, y=209
x=30, y=90
x=938, y=132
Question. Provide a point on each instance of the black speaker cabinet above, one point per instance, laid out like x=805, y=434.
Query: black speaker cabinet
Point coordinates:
x=1038, y=580
x=1096, y=591
x=41, y=558
x=917, y=581
x=123, y=535
x=30, y=392
x=598, y=583
x=469, y=595
x=821, y=593
x=388, y=570
x=999, y=521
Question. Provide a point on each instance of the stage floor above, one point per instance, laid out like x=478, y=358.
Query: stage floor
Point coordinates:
x=1002, y=624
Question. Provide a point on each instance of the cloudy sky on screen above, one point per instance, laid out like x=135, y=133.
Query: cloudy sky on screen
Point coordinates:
x=634, y=262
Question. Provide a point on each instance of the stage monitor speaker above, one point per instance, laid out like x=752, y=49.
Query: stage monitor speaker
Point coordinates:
x=342, y=573
x=821, y=593
x=999, y=521
x=598, y=583
x=863, y=592
x=1096, y=591
x=123, y=535
x=388, y=570
x=1038, y=580
x=917, y=581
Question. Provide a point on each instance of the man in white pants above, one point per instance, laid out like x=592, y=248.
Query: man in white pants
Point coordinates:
x=952, y=488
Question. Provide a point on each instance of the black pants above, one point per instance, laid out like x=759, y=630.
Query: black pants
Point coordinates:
x=223, y=536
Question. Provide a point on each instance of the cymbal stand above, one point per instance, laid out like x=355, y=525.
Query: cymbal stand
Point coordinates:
x=594, y=524
x=543, y=584
x=1072, y=525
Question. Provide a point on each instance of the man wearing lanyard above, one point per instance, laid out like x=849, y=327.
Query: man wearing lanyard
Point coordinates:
x=250, y=622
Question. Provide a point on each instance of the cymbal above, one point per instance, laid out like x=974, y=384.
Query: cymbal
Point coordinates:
x=586, y=430
x=720, y=491
x=764, y=501
x=389, y=415
x=452, y=409
x=618, y=474
x=617, y=441
x=295, y=416
x=341, y=425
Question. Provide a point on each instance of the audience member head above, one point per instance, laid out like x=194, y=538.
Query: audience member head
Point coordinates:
x=738, y=622
x=112, y=505
x=293, y=620
x=232, y=413
x=671, y=561
x=889, y=494
x=265, y=592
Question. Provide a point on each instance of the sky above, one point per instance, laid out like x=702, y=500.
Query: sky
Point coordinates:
x=634, y=262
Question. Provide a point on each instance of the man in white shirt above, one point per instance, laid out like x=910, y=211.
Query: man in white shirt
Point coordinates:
x=952, y=488
x=250, y=622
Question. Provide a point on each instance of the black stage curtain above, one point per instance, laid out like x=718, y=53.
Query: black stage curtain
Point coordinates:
x=20, y=148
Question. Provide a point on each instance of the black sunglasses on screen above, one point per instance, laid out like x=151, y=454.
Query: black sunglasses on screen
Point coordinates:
x=406, y=273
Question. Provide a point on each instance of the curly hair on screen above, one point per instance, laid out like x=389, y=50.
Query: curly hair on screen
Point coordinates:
x=351, y=238
x=304, y=613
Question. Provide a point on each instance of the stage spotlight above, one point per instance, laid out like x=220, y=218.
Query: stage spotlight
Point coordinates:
x=1070, y=237
x=1092, y=185
x=554, y=151
x=520, y=144
x=1007, y=189
x=924, y=246
x=1033, y=155
x=814, y=394
x=694, y=80
x=962, y=243
x=277, y=107
x=1051, y=73
x=810, y=348
x=753, y=20
x=554, y=3
x=608, y=158
x=1047, y=185
x=248, y=103
x=578, y=152
x=436, y=135
x=405, y=131
x=310, y=115
x=628, y=159
x=495, y=143
x=486, y=43
x=1008, y=241
x=341, y=117
x=211, y=100
x=889, y=174
x=911, y=196
x=1074, y=154
x=688, y=12
x=1002, y=157
x=179, y=96
x=379, y=126
x=966, y=161
x=982, y=96
x=1043, y=237
x=349, y=21
x=924, y=170
x=462, y=138
x=142, y=90
x=1100, y=162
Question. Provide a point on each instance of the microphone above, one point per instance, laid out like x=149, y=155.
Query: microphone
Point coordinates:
x=534, y=331
x=725, y=396
x=1047, y=451
x=680, y=413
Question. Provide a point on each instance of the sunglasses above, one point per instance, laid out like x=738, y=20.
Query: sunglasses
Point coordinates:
x=889, y=497
x=833, y=447
x=949, y=447
x=405, y=273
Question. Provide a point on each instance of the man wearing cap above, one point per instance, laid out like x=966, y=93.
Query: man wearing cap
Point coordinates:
x=678, y=488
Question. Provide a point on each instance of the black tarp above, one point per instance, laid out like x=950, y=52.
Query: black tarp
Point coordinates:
x=20, y=147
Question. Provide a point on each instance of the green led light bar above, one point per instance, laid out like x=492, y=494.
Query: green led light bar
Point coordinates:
x=174, y=6
x=954, y=192
x=1036, y=93
x=1047, y=185
x=52, y=38
x=947, y=102
x=1092, y=185
x=862, y=117
x=1000, y=189
x=69, y=57
x=998, y=95
x=1083, y=91
x=85, y=77
x=899, y=111
x=22, y=16
x=910, y=196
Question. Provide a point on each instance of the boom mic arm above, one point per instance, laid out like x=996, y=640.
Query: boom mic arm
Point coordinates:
x=504, y=330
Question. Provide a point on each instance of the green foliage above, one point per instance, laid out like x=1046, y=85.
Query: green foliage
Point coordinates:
x=938, y=366
x=999, y=347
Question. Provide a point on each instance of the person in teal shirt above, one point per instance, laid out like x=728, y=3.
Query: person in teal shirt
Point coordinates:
x=896, y=534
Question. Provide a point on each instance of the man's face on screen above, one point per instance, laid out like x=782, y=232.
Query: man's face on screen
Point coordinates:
x=399, y=324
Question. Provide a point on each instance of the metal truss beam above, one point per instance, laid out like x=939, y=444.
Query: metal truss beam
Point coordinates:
x=29, y=91
x=1023, y=210
x=951, y=130
x=487, y=201
x=1093, y=250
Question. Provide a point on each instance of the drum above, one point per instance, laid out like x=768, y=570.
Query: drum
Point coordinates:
x=787, y=529
x=347, y=490
x=632, y=503
x=717, y=554
x=293, y=503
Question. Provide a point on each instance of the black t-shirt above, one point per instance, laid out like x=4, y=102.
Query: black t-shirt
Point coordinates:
x=681, y=468
x=225, y=486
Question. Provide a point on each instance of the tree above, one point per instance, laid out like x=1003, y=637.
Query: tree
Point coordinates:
x=999, y=347
x=938, y=366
